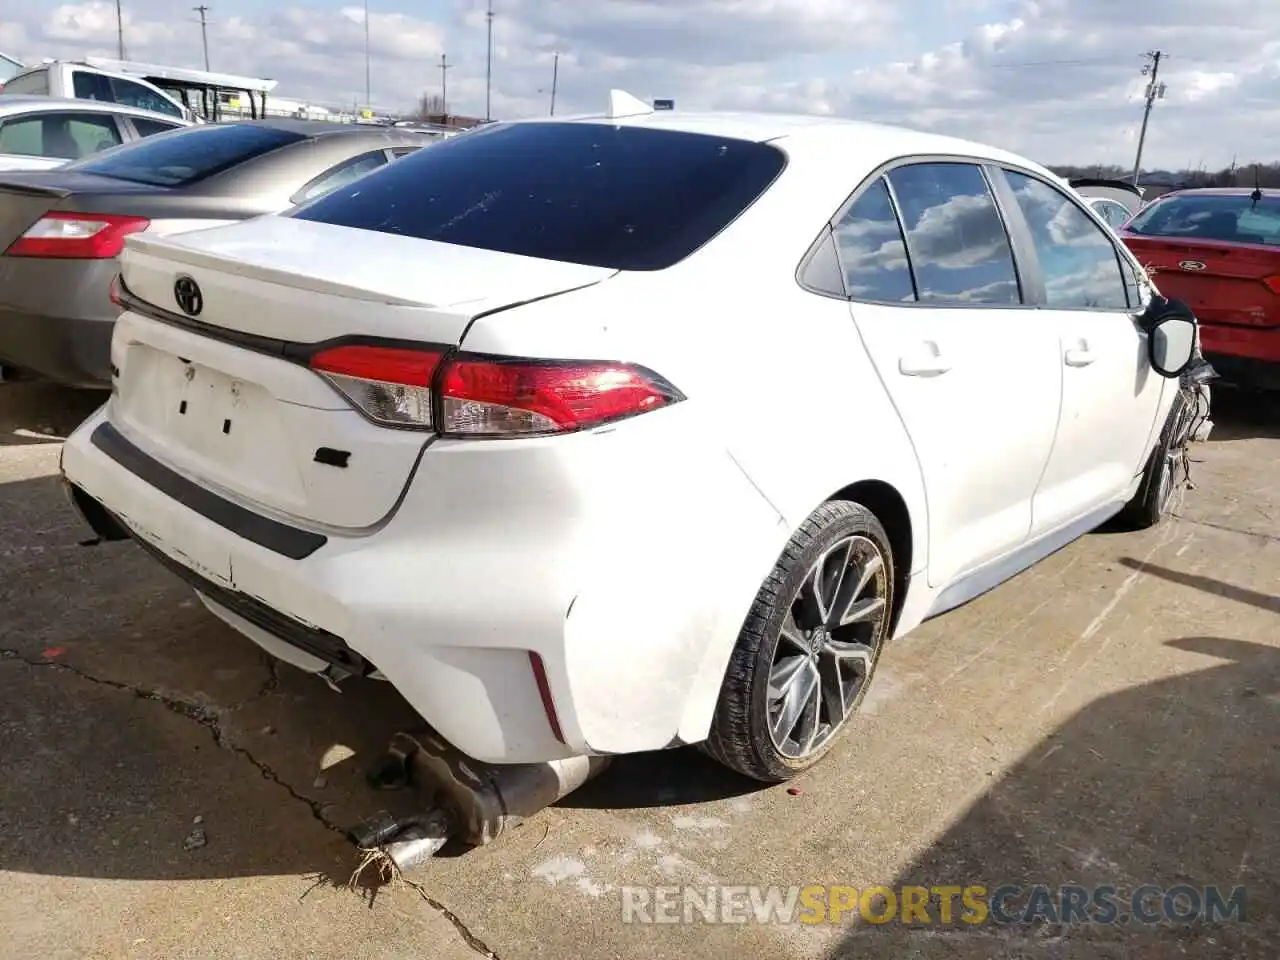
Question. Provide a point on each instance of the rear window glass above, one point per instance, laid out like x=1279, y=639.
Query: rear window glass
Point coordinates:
x=35, y=82
x=193, y=155
x=1211, y=217
x=629, y=198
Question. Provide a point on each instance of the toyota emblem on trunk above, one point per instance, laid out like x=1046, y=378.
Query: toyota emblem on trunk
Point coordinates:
x=187, y=292
x=1192, y=265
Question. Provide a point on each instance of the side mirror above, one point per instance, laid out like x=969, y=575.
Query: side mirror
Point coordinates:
x=1171, y=345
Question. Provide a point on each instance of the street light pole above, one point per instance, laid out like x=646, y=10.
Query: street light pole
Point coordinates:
x=368, y=95
x=555, y=79
x=204, y=33
x=444, y=88
x=119, y=31
x=488, y=73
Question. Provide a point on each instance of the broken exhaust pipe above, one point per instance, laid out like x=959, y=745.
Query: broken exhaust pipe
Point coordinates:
x=467, y=799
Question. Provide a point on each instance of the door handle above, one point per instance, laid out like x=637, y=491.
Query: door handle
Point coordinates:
x=1080, y=356
x=926, y=360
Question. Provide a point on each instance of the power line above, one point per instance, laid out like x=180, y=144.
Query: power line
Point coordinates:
x=1092, y=61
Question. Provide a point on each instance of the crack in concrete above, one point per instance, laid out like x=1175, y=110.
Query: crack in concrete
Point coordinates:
x=210, y=717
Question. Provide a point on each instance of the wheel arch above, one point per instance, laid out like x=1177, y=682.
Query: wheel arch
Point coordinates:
x=890, y=508
x=905, y=528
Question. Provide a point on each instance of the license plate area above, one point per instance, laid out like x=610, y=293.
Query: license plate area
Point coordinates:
x=204, y=410
x=209, y=424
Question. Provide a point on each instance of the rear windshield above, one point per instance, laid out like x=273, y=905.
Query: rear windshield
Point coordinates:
x=1211, y=217
x=187, y=156
x=623, y=197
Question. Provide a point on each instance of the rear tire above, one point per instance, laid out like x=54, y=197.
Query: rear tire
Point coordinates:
x=1166, y=472
x=809, y=647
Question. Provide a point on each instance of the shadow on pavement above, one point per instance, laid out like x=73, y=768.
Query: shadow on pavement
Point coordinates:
x=127, y=711
x=662, y=779
x=1244, y=415
x=1217, y=588
x=1174, y=782
x=43, y=413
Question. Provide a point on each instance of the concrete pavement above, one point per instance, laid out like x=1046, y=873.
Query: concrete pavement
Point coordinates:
x=1111, y=716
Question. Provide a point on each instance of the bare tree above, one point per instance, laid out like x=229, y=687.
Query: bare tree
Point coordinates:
x=430, y=107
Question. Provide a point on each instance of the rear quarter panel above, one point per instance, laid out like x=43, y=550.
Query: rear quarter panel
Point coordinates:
x=776, y=378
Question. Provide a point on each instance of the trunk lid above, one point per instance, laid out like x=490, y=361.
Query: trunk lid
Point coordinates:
x=224, y=405
x=1223, y=282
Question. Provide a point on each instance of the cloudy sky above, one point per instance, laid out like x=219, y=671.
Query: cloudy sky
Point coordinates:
x=1058, y=80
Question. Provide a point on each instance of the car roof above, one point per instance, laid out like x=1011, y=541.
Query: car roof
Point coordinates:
x=1222, y=192
x=14, y=104
x=804, y=132
x=324, y=144
x=315, y=128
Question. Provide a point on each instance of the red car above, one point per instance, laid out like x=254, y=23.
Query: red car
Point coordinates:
x=1218, y=250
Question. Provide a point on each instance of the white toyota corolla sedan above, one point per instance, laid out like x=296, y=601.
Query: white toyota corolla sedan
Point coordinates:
x=618, y=433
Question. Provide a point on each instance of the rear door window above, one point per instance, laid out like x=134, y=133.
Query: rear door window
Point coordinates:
x=956, y=238
x=1078, y=259
x=342, y=174
x=1112, y=213
x=60, y=136
x=871, y=249
x=34, y=82
x=620, y=196
x=133, y=94
x=149, y=128
x=194, y=155
x=90, y=86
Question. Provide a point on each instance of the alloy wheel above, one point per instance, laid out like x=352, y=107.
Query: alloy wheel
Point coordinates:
x=827, y=646
x=1173, y=471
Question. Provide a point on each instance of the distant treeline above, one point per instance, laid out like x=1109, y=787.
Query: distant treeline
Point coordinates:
x=1243, y=175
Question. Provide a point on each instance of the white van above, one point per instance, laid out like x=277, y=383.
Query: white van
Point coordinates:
x=79, y=81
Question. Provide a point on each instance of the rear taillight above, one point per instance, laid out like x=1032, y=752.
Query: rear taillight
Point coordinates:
x=77, y=236
x=1273, y=284
x=471, y=396
x=390, y=385
x=502, y=398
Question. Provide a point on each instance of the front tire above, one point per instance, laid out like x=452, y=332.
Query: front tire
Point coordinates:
x=809, y=648
x=1166, y=472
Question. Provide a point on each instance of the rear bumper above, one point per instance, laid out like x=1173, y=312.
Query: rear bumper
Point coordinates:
x=67, y=350
x=632, y=612
x=56, y=318
x=1246, y=371
x=1242, y=355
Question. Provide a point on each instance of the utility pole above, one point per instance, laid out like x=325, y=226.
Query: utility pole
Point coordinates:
x=1155, y=91
x=488, y=73
x=368, y=95
x=444, y=89
x=555, y=79
x=119, y=31
x=204, y=33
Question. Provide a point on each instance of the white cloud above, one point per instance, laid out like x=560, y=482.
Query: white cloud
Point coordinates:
x=1055, y=79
